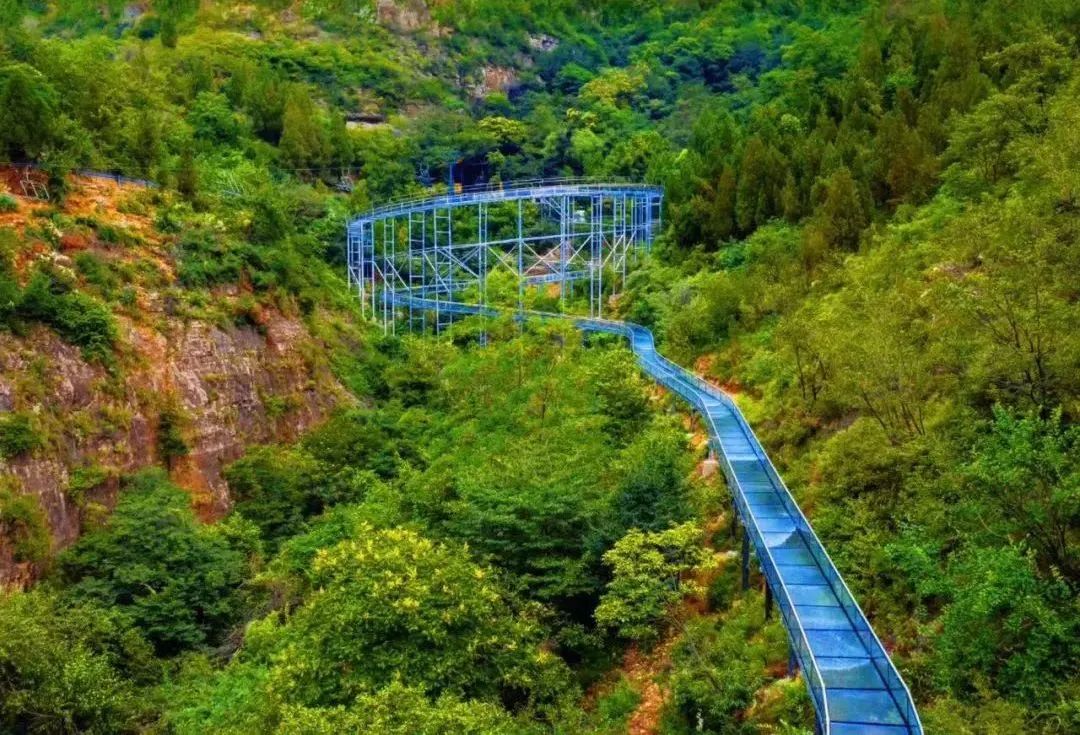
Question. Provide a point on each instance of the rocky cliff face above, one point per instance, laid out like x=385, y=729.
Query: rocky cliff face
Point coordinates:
x=229, y=387
x=214, y=385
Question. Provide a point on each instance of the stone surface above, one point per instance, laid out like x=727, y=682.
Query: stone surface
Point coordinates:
x=406, y=16
x=232, y=386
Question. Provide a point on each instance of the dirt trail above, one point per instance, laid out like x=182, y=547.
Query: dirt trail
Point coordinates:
x=644, y=670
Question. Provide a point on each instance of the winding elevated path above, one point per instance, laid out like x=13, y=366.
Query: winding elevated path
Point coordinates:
x=855, y=687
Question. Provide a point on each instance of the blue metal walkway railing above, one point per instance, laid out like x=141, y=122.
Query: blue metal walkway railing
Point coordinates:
x=855, y=688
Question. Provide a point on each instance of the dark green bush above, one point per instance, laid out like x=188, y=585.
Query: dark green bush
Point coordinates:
x=207, y=260
x=17, y=435
x=280, y=489
x=175, y=579
x=170, y=438
x=78, y=318
x=97, y=272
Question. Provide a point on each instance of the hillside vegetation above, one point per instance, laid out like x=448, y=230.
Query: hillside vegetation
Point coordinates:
x=871, y=239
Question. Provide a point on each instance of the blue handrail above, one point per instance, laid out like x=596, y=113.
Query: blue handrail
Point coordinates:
x=499, y=193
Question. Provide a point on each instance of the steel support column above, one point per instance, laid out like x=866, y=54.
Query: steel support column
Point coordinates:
x=745, y=560
x=521, y=263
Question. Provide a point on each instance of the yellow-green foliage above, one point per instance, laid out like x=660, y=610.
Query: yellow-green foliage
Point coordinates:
x=22, y=525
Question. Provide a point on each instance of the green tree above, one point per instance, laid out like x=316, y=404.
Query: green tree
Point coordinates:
x=29, y=107
x=60, y=672
x=1005, y=628
x=402, y=710
x=280, y=489
x=843, y=214
x=653, y=493
x=11, y=13
x=392, y=604
x=173, y=13
x=383, y=606
x=1025, y=478
x=213, y=120
x=187, y=176
x=621, y=390
x=275, y=488
x=175, y=579
x=304, y=141
x=535, y=514
x=720, y=663
x=648, y=580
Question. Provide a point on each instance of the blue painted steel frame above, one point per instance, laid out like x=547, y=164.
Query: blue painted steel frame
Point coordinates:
x=854, y=685
x=441, y=247
x=526, y=190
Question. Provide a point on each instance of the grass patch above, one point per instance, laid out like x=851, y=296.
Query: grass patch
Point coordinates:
x=615, y=707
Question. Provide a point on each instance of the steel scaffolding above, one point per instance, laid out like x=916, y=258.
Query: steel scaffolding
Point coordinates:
x=579, y=238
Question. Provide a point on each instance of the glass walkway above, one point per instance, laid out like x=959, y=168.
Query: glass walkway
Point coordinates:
x=854, y=685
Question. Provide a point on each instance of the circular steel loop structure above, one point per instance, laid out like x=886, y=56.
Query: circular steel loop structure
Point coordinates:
x=567, y=234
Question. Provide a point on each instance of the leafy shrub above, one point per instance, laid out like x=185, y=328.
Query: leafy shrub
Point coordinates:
x=8, y=203
x=97, y=272
x=83, y=480
x=170, y=437
x=616, y=706
x=275, y=489
x=279, y=489
x=207, y=260
x=359, y=438
x=17, y=435
x=78, y=318
x=22, y=525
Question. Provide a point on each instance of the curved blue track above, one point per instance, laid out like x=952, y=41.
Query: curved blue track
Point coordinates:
x=519, y=190
x=854, y=685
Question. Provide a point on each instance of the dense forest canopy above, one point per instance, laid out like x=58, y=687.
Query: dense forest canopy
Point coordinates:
x=871, y=239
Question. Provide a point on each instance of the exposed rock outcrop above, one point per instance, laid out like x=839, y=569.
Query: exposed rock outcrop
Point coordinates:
x=225, y=376
x=404, y=16
x=495, y=79
x=232, y=387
